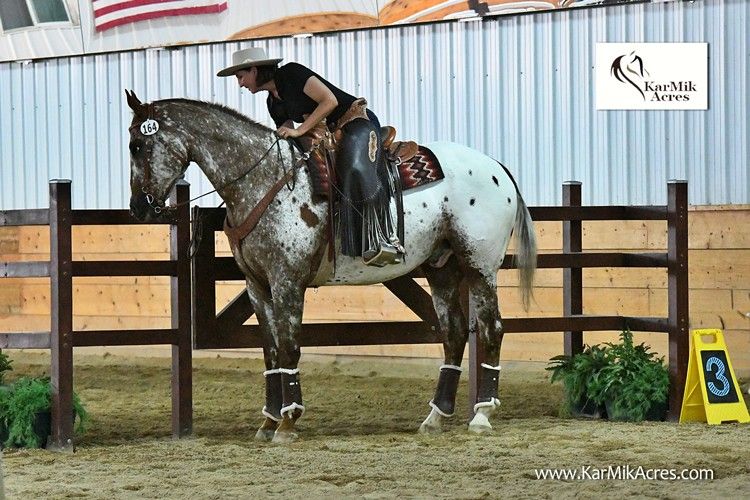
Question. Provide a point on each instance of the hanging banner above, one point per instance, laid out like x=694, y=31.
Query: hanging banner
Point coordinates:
x=32, y=29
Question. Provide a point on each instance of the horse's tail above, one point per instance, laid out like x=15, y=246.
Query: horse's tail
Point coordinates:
x=525, y=257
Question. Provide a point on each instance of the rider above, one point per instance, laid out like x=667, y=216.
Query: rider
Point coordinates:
x=298, y=94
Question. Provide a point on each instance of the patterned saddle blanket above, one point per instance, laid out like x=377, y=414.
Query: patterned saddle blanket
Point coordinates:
x=422, y=168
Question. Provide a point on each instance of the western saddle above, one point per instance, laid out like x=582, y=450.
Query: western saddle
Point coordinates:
x=321, y=148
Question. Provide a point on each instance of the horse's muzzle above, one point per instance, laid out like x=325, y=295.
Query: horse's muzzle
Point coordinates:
x=140, y=207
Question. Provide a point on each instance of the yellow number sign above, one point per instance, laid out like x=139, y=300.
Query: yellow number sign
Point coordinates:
x=712, y=393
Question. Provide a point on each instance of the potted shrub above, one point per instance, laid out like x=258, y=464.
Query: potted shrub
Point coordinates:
x=633, y=384
x=25, y=408
x=575, y=373
x=5, y=365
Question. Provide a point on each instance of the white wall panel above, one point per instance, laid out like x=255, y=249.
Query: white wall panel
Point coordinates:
x=519, y=88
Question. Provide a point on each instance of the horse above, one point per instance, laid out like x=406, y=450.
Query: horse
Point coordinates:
x=457, y=231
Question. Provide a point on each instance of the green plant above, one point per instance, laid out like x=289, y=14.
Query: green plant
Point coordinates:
x=21, y=402
x=575, y=373
x=632, y=382
x=5, y=365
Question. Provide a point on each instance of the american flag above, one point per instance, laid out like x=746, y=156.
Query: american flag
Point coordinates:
x=111, y=13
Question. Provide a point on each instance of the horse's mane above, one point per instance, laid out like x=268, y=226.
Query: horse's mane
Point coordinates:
x=219, y=107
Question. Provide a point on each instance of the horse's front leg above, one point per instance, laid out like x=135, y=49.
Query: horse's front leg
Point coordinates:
x=288, y=304
x=261, y=301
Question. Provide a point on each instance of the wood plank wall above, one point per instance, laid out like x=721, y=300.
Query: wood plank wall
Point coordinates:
x=719, y=257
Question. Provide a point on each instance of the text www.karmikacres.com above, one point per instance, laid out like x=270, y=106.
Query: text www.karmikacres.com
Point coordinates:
x=623, y=472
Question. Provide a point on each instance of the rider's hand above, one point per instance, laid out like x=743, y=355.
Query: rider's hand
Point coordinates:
x=288, y=133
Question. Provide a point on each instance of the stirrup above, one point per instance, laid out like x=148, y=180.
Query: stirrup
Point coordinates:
x=383, y=255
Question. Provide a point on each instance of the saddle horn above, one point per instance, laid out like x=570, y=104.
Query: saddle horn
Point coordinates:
x=140, y=109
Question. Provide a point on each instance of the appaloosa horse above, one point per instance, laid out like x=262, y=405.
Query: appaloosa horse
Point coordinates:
x=457, y=228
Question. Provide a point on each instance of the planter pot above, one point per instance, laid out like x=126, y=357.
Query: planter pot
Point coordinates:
x=42, y=428
x=586, y=408
x=657, y=412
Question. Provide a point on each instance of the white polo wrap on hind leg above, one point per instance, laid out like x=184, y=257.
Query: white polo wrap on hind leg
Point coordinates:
x=291, y=392
x=488, y=385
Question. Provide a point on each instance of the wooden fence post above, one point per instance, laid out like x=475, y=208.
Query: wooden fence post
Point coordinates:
x=572, y=277
x=61, y=313
x=182, y=367
x=679, y=309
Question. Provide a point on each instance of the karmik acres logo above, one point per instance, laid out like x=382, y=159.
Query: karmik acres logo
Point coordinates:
x=630, y=70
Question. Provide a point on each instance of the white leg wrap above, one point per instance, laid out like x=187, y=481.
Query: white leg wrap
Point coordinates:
x=288, y=371
x=289, y=409
x=492, y=405
x=452, y=367
x=490, y=367
x=437, y=410
x=268, y=415
x=271, y=372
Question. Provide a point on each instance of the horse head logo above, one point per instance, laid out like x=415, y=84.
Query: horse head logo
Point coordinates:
x=629, y=69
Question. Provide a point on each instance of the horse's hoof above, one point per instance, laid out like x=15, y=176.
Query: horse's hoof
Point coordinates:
x=264, y=435
x=429, y=429
x=480, y=424
x=480, y=429
x=284, y=437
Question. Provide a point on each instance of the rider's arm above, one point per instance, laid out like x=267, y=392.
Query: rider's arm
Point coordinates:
x=327, y=102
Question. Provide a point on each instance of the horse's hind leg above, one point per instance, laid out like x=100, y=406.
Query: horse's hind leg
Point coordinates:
x=483, y=301
x=444, y=285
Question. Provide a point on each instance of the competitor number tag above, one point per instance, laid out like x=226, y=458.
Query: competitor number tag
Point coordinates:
x=149, y=127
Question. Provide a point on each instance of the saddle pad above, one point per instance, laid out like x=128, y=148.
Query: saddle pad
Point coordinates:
x=419, y=170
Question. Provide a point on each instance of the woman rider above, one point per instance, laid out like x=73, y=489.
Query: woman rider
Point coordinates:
x=298, y=94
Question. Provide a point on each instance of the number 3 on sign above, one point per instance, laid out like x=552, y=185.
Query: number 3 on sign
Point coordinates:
x=713, y=361
x=149, y=127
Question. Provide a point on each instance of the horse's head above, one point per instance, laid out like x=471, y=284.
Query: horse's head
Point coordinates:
x=158, y=157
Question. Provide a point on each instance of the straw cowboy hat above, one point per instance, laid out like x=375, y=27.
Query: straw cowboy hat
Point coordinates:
x=247, y=58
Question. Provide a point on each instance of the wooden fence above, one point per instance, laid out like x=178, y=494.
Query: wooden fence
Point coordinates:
x=62, y=269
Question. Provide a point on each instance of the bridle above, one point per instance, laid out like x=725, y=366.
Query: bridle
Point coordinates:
x=159, y=207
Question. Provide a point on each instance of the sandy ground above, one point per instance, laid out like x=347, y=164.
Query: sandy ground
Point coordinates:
x=358, y=440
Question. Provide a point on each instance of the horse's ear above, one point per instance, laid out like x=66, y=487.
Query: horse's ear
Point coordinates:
x=140, y=109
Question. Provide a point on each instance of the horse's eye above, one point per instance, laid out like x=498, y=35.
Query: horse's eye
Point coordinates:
x=135, y=147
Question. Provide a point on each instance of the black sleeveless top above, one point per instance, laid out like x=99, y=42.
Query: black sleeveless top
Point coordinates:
x=290, y=82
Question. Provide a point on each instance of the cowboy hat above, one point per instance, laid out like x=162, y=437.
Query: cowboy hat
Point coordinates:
x=247, y=58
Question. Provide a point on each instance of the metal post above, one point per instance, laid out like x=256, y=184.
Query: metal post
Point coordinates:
x=182, y=368
x=61, y=314
x=679, y=310
x=572, y=277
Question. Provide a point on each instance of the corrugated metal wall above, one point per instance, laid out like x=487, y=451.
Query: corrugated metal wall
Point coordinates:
x=519, y=88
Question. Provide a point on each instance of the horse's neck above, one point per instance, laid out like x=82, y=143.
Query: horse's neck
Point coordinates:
x=242, y=166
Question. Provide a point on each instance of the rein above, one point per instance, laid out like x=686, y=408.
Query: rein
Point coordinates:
x=151, y=200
